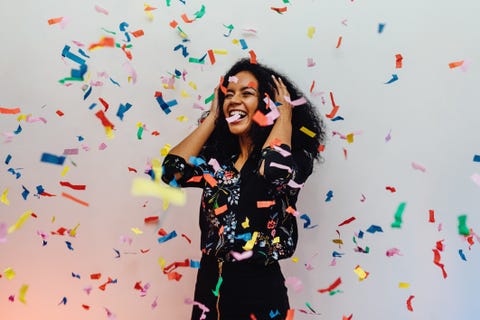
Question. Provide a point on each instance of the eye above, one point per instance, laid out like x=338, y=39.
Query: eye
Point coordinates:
x=228, y=95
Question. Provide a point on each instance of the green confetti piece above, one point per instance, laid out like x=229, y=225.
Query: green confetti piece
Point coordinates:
x=462, y=225
x=398, y=215
x=217, y=287
x=108, y=31
x=139, y=132
x=62, y=81
x=200, y=13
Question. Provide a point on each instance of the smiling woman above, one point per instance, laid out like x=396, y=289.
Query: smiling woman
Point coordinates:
x=251, y=159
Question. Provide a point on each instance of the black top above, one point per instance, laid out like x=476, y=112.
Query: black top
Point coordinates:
x=245, y=211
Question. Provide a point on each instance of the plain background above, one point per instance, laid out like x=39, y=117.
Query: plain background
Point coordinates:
x=429, y=117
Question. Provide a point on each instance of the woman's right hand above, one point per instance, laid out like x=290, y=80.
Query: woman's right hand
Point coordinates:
x=214, y=108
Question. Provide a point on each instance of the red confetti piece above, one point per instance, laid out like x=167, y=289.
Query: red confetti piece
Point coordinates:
x=391, y=189
x=211, y=55
x=104, y=286
x=144, y=250
x=186, y=238
x=347, y=221
x=130, y=169
x=162, y=232
x=409, y=303
x=332, y=286
x=339, y=42
x=335, y=108
x=436, y=261
x=151, y=220
x=431, y=216
x=455, y=64
x=59, y=113
x=104, y=103
x=155, y=133
x=86, y=307
x=253, y=57
x=95, y=276
x=104, y=120
x=312, y=86
x=173, y=24
x=73, y=186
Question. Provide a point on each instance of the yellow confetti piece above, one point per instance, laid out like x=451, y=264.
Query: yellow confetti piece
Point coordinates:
x=162, y=262
x=22, y=293
x=182, y=118
x=295, y=259
x=157, y=169
x=20, y=221
x=404, y=285
x=109, y=132
x=192, y=85
x=360, y=273
x=165, y=204
x=235, y=41
x=250, y=243
x=53, y=219
x=350, y=138
x=73, y=232
x=308, y=132
x=9, y=273
x=184, y=94
x=137, y=231
x=65, y=170
x=276, y=240
x=22, y=117
x=311, y=32
x=165, y=150
x=220, y=51
x=246, y=223
x=4, y=198
x=146, y=187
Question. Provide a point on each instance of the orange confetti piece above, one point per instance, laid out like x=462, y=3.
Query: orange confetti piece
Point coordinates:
x=398, y=61
x=339, y=42
x=173, y=24
x=279, y=10
x=138, y=33
x=253, y=57
x=68, y=196
x=211, y=56
x=335, y=108
x=265, y=204
x=9, y=110
x=321, y=148
x=221, y=209
x=290, y=314
x=104, y=42
x=95, y=276
x=455, y=64
x=312, y=86
x=55, y=20
x=210, y=179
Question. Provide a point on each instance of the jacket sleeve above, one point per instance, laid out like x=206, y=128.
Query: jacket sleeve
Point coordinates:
x=178, y=173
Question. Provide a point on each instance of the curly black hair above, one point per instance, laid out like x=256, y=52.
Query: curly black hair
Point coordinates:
x=223, y=144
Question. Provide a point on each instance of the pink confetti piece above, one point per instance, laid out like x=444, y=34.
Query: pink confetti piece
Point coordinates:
x=3, y=232
x=296, y=102
x=67, y=152
x=233, y=79
x=392, y=252
x=419, y=167
x=281, y=166
x=101, y=10
x=310, y=62
x=102, y=146
x=388, y=137
x=476, y=178
x=131, y=71
x=233, y=118
x=242, y=256
x=31, y=119
x=214, y=163
x=295, y=283
x=202, y=307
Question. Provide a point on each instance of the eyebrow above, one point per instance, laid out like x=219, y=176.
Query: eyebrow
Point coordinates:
x=244, y=88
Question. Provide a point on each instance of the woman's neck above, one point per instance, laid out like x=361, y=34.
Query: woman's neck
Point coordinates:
x=246, y=147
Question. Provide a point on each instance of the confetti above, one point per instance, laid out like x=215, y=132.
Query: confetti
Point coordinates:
x=53, y=159
x=462, y=225
x=398, y=215
x=393, y=79
x=332, y=287
x=409, y=303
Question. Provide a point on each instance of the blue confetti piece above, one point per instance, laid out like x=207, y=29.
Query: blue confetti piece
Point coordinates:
x=25, y=193
x=67, y=54
x=69, y=245
x=476, y=158
x=336, y=254
x=167, y=237
x=87, y=93
x=360, y=234
x=8, y=158
x=273, y=313
x=53, y=159
x=393, y=79
x=93, y=105
x=117, y=253
x=80, y=72
x=64, y=301
x=75, y=275
x=114, y=82
x=196, y=161
x=44, y=243
x=165, y=105
x=19, y=129
x=184, y=50
x=381, y=26
x=307, y=222
x=194, y=264
x=373, y=228
x=243, y=43
x=15, y=173
x=337, y=118
x=329, y=196
x=122, y=109
x=244, y=236
x=83, y=53
x=462, y=255
x=40, y=189
x=80, y=138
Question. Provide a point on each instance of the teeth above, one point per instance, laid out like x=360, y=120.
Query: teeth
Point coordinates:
x=241, y=114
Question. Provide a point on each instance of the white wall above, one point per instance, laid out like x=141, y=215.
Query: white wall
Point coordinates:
x=431, y=112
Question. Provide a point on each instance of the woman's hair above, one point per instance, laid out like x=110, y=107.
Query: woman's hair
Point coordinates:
x=223, y=144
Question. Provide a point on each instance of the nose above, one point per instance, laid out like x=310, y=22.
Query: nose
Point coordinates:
x=236, y=98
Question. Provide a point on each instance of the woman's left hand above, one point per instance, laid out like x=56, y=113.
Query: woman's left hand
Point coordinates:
x=282, y=96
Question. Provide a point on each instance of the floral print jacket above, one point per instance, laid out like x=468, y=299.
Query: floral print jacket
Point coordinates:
x=244, y=214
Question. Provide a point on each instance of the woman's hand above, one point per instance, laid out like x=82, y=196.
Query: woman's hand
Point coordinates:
x=214, y=108
x=282, y=96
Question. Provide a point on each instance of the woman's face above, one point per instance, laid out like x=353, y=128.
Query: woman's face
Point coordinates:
x=241, y=102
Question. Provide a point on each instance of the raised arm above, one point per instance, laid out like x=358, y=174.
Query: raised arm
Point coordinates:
x=194, y=142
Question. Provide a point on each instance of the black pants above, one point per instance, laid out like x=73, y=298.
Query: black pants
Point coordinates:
x=248, y=291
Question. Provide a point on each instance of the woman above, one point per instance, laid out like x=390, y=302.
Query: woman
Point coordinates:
x=251, y=159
